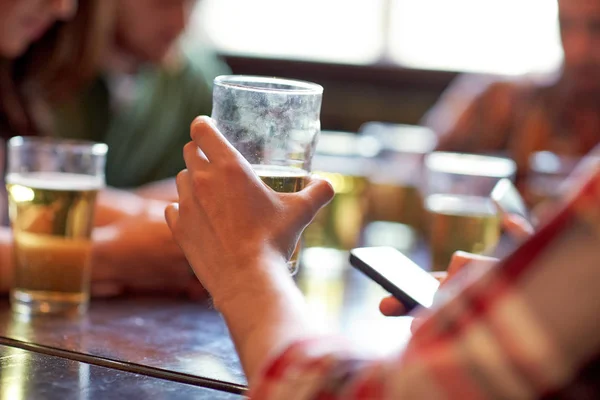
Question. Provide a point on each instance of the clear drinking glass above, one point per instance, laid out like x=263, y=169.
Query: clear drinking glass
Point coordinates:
x=342, y=158
x=52, y=186
x=461, y=213
x=395, y=182
x=274, y=123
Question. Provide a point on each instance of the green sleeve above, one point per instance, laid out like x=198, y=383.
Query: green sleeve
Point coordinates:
x=146, y=139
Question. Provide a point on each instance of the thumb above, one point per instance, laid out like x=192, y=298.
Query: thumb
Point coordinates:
x=462, y=260
x=316, y=194
x=172, y=215
x=517, y=226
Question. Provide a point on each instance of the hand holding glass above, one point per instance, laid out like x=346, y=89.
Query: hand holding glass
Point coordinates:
x=274, y=123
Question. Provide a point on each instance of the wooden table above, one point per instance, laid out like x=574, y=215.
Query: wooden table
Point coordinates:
x=31, y=375
x=182, y=348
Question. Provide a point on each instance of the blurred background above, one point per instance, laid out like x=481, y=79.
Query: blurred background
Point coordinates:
x=380, y=60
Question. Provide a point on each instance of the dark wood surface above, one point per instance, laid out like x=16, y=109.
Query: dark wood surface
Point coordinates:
x=149, y=341
x=170, y=337
x=31, y=375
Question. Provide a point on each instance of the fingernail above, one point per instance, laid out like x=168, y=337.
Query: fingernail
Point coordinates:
x=202, y=119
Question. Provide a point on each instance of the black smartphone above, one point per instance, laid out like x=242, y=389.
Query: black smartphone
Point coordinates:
x=397, y=274
x=508, y=200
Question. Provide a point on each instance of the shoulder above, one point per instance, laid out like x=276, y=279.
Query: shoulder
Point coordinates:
x=202, y=62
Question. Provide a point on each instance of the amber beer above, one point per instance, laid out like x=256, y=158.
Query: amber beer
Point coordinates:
x=52, y=216
x=395, y=202
x=458, y=222
x=284, y=180
x=338, y=225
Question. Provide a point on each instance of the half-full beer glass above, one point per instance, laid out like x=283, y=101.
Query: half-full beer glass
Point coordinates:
x=52, y=186
x=461, y=213
x=274, y=123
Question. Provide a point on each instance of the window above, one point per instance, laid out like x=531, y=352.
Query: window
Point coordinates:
x=503, y=36
x=497, y=36
x=343, y=31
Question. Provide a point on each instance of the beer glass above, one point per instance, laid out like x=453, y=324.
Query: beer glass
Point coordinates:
x=343, y=159
x=395, y=189
x=461, y=213
x=274, y=123
x=52, y=186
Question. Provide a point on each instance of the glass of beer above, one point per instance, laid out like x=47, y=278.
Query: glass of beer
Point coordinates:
x=274, y=123
x=461, y=213
x=52, y=186
x=344, y=159
x=395, y=183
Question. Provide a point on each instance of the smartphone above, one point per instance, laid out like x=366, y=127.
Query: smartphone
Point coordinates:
x=397, y=274
x=508, y=200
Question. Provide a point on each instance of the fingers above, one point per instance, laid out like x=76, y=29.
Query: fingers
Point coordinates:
x=391, y=307
x=212, y=143
x=183, y=183
x=440, y=275
x=461, y=259
x=517, y=226
x=172, y=215
x=194, y=157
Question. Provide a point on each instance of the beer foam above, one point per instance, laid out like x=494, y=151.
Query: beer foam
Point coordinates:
x=276, y=171
x=56, y=180
x=460, y=204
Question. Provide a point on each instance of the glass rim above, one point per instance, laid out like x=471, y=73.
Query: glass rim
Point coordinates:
x=253, y=82
x=74, y=145
x=470, y=164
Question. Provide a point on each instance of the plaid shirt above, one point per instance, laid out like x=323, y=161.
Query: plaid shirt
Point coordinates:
x=528, y=328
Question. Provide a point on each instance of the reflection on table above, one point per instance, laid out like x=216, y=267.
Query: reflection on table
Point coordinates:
x=162, y=333
x=29, y=375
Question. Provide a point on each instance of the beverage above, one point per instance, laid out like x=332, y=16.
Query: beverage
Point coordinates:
x=459, y=222
x=284, y=180
x=395, y=202
x=52, y=215
x=338, y=225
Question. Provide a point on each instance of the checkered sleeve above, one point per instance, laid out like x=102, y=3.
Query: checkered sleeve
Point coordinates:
x=522, y=330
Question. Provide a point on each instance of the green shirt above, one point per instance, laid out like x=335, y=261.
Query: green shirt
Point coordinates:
x=145, y=136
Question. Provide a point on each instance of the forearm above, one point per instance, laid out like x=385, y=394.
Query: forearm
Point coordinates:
x=115, y=204
x=266, y=315
x=164, y=190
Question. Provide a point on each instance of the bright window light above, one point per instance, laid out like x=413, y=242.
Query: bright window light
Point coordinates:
x=339, y=31
x=490, y=36
x=495, y=36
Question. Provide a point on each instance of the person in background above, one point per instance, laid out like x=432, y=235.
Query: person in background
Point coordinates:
x=149, y=86
x=561, y=113
x=525, y=328
x=50, y=49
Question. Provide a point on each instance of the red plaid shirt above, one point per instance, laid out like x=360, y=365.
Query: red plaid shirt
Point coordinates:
x=529, y=328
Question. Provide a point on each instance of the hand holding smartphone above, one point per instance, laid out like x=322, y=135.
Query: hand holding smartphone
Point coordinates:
x=397, y=274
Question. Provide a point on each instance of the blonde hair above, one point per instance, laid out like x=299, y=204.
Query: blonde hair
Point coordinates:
x=58, y=64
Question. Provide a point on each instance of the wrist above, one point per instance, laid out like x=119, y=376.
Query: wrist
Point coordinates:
x=263, y=277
